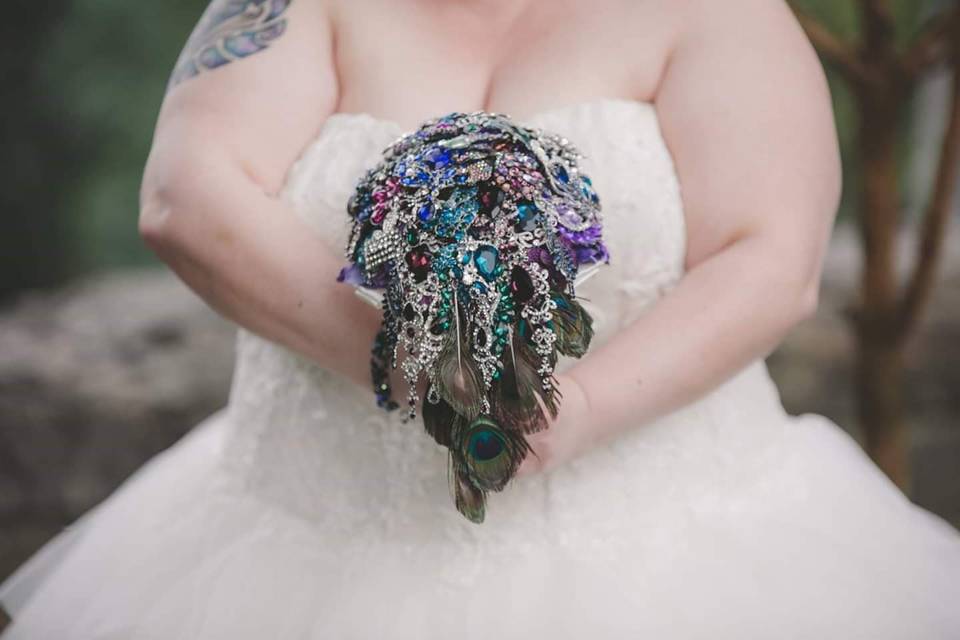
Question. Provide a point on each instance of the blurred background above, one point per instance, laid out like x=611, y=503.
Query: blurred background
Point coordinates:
x=106, y=358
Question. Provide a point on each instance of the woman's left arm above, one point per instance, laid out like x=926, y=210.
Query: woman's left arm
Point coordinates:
x=745, y=111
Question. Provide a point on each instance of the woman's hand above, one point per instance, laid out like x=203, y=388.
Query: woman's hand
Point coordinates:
x=568, y=436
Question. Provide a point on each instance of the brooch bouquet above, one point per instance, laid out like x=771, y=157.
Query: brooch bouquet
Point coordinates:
x=471, y=234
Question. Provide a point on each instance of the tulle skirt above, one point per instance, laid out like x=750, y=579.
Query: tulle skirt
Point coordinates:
x=818, y=545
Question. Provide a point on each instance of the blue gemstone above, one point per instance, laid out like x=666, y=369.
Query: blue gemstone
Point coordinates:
x=425, y=212
x=412, y=181
x=438, y=157
x=562, y=175
x=528, y=216
x=485, y=258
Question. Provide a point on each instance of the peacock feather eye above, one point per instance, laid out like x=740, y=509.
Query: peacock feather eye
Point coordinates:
x=485, y=444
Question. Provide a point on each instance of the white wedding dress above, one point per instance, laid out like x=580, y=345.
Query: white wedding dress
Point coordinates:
x=302, y=511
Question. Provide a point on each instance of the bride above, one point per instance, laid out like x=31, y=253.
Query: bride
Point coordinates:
x=672, y=497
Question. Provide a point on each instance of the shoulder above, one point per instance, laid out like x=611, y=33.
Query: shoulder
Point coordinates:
x=255, y=80
x=757, y=27
x=713, y=15
x=746, y=110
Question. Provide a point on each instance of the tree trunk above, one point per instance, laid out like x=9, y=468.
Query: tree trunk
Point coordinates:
x=880, y=363
x=882, y=410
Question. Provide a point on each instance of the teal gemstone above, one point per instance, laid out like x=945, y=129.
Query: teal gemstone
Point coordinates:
x=528, y=217
x=485, y=257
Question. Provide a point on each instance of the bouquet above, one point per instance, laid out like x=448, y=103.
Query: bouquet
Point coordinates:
x=470, y=234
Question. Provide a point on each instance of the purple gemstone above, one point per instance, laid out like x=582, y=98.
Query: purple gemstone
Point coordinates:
x=351, y=274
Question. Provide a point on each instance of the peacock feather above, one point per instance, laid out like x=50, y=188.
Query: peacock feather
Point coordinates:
x=573, y=326
x=459, y=380
x=469, y=499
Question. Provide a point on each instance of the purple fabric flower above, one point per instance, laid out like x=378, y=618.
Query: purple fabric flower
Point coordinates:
x=587, y=245
x=351, y=274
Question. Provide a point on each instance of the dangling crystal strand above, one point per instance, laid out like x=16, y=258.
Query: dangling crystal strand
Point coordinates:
x=411, y=374
x=412, y=402
x=544, y=339
x=546, y=372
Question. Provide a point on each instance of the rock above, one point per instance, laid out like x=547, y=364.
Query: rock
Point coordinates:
x=95, y=379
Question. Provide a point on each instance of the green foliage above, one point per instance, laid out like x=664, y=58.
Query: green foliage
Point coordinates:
x=109, y=62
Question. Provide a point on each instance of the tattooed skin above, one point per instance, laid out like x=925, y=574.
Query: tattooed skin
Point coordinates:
x=230, y=30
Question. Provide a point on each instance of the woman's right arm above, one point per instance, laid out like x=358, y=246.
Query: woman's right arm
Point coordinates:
x=224, y=141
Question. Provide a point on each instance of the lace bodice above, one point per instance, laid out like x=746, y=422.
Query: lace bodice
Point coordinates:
x=318, y=445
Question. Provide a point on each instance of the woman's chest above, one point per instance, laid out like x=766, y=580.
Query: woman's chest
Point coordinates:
x=413, y=59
